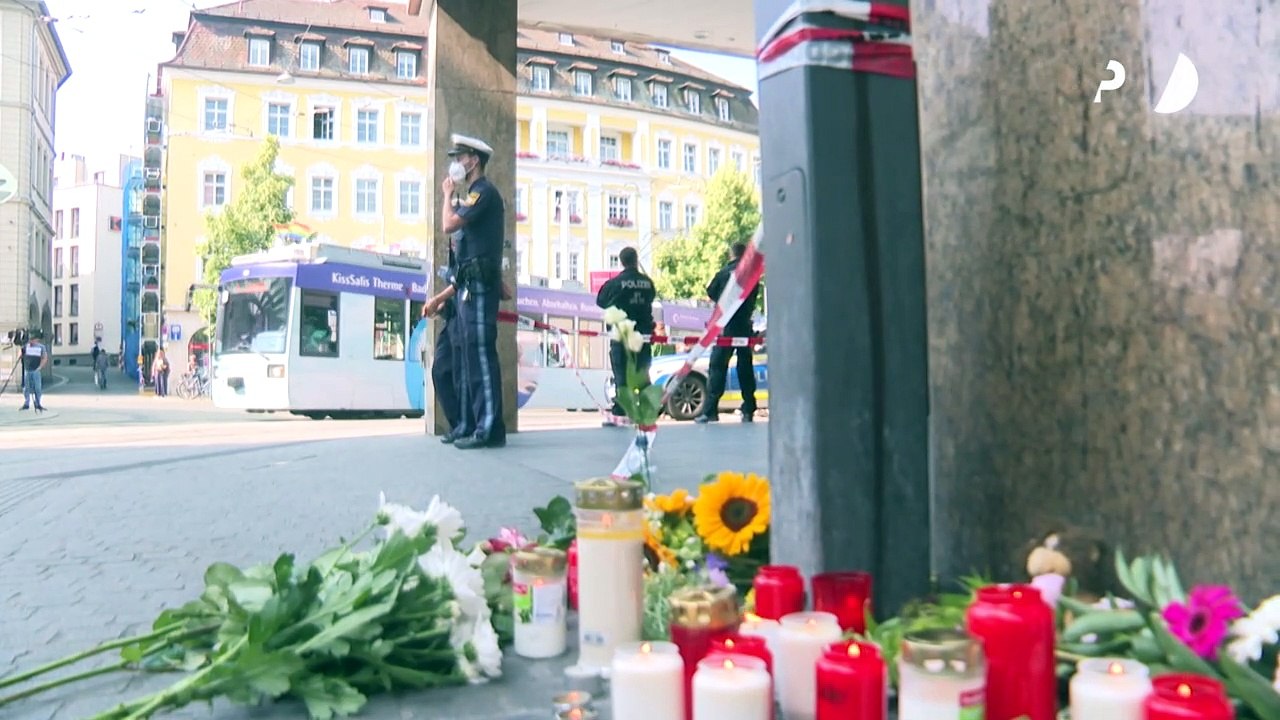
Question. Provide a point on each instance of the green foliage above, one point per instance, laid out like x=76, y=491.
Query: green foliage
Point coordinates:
x=559, y=526
x=658, y=589
x=640, y=399
x=947, y=612
x=686, y=263
x=246, y=224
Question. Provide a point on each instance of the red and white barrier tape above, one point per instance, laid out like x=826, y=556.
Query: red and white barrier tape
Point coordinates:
x=883, y=48
x=506, y=316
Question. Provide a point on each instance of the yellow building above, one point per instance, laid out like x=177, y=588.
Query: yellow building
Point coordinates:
x=626, y=133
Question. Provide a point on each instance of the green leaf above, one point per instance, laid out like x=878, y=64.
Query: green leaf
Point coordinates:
x=131, y=653
x=250, y=595
x=326, y=697
x=221, y=575
x=1104, y=624
x=347, y=625
x=1256, y=691
x=1180, y=656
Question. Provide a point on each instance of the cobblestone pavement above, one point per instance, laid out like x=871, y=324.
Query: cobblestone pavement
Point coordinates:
x=112, y=510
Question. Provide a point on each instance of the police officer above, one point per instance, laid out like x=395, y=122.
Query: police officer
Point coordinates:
x=632, y=292
x=477, y=286
x=738, y=326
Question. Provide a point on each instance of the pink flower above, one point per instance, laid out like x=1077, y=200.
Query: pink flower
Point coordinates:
x=1050, y=586
x=1202, y=623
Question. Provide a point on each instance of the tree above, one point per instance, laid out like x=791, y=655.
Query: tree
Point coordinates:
x=685, y=264
x=246, y=224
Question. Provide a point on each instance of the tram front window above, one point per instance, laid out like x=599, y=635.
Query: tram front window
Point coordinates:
x=254, y=316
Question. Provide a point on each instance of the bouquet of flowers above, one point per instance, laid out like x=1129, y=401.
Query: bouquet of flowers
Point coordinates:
x=408, y=613
x=640, y=399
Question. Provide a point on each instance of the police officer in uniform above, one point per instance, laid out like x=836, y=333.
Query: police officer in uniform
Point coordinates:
x=632, y=292
x=738, y=326
x=446, y=365
x=477, y=286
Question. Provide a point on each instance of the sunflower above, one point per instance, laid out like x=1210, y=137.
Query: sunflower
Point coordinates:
x=731, y=511
x=654, y=551
x=677, y=503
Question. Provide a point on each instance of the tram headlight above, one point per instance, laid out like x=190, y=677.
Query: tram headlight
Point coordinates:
x=275, y=371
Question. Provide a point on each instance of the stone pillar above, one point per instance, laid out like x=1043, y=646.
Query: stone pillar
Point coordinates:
x=1104, y=332
x=471, y=89
x=845, y=263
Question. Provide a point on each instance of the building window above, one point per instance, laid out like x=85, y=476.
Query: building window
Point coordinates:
x=278, y=116
x=367, y=126
x=388, y=329
x=406, y=65
x=75, y=333
x=690, y=216
x=57, y=301
x=664, y=154
x=322, y=194
x=541, y=78
x=319, y=337
x=582, y=83
x=75, y=222
x=664, y=57
x=309, y=56
x=75, y=302
x=215, y=114
x=614, y=261
x=619, y=208
x=520, y=263
x=609, y=151
x=377, y=15
x=666, y=214
x=322, y=124
x=690, y=158
x=215, y=189
x=557, y=143
x=75, y=268
x=558, y=273
x=618, y=47
x=713, y=160
x=739, y=162
x=358, y=61
x=755, y=164
x=622, y=88
x=722, y=109
x=57, y=262
x=659, y=93
x=57, y=334
x=573, y=265
x=566, y=39
x=411, y=129
x=693, y=101
x=57, y=224
x=259, y=52
x=574, y=216
x=520, y=202
x=410, y=197
x=366, y=196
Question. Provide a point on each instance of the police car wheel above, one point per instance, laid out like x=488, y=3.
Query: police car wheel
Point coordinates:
x=688, y=399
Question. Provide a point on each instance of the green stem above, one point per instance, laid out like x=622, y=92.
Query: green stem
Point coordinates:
x=1064, y=655
x=154, y=702
x=62, y=681
x=97, y=650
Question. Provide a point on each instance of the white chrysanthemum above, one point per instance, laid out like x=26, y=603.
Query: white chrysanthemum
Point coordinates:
x=613, y=315
x=1255, y=631
x=446, y=518
x=485, y=642
x=401, y=517
x=464, y=579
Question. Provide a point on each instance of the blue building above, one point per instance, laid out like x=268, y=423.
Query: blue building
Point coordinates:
x=131, y=266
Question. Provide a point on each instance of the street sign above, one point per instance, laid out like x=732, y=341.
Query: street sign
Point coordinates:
x=8, y=185
x=175, y=332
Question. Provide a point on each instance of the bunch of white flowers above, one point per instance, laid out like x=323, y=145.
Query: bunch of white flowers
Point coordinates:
x=1253, y=632
x=472, y=636
x=623, y=329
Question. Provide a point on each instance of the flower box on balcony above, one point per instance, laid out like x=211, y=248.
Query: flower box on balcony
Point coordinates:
x=619, y=164
x=575, y=219
x=620, y=222
x=521, y=217
x=527, y=156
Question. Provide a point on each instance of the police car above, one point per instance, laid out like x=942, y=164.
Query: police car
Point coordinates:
x=689, y=399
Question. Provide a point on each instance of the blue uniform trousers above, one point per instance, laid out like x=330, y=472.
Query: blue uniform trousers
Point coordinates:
x=481, y=373
x=445, y=373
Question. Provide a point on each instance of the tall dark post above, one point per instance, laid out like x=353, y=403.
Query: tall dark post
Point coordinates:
x=844, y=247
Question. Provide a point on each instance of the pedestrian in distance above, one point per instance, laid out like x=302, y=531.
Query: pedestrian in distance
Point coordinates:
x=739, y=326
x=632, y=292
x=35, y=357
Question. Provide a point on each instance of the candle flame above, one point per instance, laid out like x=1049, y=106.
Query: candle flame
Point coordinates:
x=728, y=644
x=728, y=664
x=646, y=648
x=855, y=650
x=810, y=622
x=1017, y=594
x=1115, y=668
x=575, y=714
x=1184, y=690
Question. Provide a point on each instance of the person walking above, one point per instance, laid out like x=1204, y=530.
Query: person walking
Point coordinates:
x=478, y=217
x=632, y=292
x=739, y=326
x=160, y=374
x=35, y=357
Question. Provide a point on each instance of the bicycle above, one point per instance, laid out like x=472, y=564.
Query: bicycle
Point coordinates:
x=192, y=386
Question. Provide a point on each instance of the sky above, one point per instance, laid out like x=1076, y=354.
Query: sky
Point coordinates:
x=114, y=47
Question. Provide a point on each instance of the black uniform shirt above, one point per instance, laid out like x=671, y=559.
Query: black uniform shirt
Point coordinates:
x=481, y=211
x=740, y=324
x=631, y=291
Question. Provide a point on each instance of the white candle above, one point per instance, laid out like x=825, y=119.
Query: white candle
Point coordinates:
x=929, y=694
x=763, y=628
x=1109, y=689
x=647, y=682
x=801, y=640
x=731, y=687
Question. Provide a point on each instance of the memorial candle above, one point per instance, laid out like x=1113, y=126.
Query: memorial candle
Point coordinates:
x=647, y=682
x=779, y=591
x=1187, y=697
x=740, y=644
x=1016, y=628
x=731, y=687
x=847, y=595
x=802, y=640
x=852, y=683
x=941, y=676
x=1109, y=689
x=700, y=616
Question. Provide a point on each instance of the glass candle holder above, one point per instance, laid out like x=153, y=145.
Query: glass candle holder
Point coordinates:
x=847, y=595
x=647, y=682
x=1182, y=696
x=540, y=603
x=610, y=519
x=941, y=676
x=1109, y=689
x=779, y=591
x=700, y=616
x=731, y=687
x=853, y=682
x=803, y=639
x=1017, y=631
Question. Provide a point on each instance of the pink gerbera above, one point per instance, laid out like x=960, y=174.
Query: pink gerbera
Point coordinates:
x=1204, y=621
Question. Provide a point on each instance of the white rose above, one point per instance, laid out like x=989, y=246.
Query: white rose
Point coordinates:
x=613, y=315
x=635, y=341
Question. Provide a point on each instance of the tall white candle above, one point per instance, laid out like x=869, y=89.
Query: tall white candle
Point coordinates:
x=732, y=687
x=1109, y=689
x=801, y=640
x=647, y=682
x=763, y=628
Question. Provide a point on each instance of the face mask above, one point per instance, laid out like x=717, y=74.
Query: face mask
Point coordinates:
x=457, y=171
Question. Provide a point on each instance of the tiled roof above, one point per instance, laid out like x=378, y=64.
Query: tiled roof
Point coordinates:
x=336, y=14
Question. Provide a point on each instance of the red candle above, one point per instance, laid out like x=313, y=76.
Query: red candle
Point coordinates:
x=751, y=645
x=847, y=595
x=699, y=617
x=1016, y=628
x=779, y=591
x=1188, y=697
x=852, y=683
x=573, y=574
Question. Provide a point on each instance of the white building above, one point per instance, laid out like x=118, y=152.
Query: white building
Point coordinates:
x=32, y=68
x=87, y=223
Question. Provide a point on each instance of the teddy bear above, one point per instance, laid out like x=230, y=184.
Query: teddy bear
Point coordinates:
x=1072, y=553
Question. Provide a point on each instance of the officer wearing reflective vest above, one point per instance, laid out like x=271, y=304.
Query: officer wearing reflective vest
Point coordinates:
x=632, y=292
x=476, y=285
